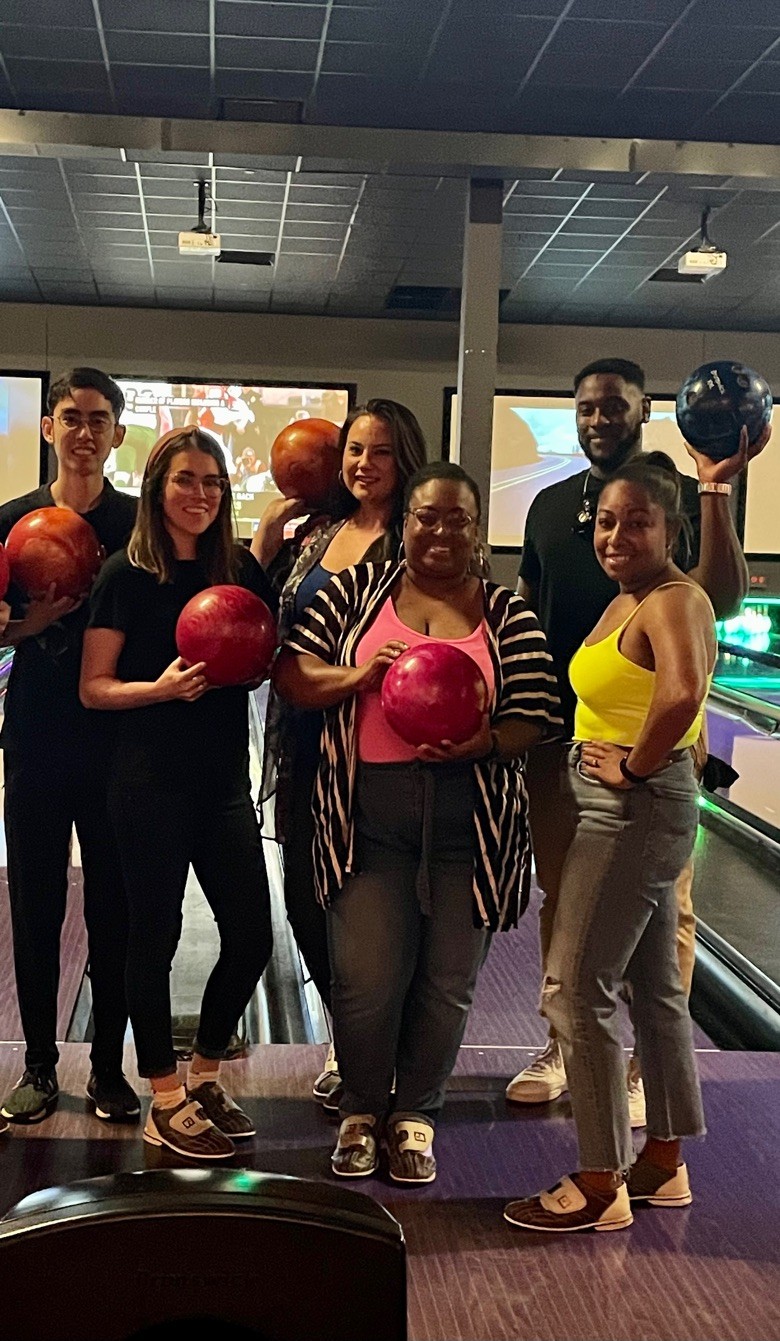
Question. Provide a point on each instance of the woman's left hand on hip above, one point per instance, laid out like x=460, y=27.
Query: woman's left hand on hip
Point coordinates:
x=600, y=761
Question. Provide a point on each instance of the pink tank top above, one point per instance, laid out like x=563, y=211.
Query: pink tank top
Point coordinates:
x=377, y=742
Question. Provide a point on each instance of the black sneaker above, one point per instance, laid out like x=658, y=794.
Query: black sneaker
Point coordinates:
x=112, y=1098
x=33, y=1098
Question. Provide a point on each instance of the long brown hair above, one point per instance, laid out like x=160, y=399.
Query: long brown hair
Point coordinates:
x=410, y=452
x=150, y=546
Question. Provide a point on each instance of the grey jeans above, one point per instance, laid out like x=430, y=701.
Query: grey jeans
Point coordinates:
x=617, y=920
x=404, y=949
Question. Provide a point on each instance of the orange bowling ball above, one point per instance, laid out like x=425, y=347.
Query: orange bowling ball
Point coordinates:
x=53, y=545
x=305, y=460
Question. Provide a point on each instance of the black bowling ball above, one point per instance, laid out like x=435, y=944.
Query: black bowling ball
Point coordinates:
x=716, y=401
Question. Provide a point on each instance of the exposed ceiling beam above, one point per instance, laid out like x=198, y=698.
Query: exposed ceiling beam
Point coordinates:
x=434, y=153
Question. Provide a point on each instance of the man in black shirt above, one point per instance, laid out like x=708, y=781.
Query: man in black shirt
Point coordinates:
x=565, y=585
x=55, y=771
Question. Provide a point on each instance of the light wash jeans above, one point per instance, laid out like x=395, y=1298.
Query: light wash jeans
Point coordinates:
x=616, y=920
x=404, y=949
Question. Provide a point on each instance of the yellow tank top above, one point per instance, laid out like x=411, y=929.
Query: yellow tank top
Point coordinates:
x=614, y=694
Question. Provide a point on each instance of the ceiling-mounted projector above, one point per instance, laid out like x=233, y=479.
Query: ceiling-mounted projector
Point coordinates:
x=200, y=241
x=196, y=243
x=706, y=259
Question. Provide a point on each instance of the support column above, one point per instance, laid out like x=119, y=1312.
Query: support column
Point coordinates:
x=478, y=349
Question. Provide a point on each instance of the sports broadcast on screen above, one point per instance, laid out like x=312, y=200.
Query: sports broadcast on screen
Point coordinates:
x=244, y=419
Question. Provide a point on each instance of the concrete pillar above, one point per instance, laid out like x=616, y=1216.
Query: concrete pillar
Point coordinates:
x=478, y=349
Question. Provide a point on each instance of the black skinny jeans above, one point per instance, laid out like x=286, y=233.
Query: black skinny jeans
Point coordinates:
x=305, y=915
x=44, y=799
x=161, y=832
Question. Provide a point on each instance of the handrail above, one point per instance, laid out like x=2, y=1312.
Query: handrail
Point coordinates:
x=751, y=654
x=749, y=708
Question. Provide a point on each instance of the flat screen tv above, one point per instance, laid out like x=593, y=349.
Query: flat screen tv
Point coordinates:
x=535, y=445
x=245, y=418
x=23, y=454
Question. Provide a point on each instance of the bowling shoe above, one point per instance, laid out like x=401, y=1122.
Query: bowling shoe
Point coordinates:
x=187, y=1130
x=646, y=1182
x=33, y=1097
x=568, y=1207
x=327, y=1088
x=223, y=1111
x=356, y=1152
x=409, y=1144
x=112, y=1098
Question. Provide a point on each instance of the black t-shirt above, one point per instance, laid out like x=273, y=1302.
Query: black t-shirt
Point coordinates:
x=43, y=714
x=561, y=565
x=206, y=741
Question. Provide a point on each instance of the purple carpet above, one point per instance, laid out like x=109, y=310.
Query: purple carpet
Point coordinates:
x=710, y=1271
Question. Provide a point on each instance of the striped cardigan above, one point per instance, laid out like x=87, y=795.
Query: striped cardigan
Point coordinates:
x=525, y=687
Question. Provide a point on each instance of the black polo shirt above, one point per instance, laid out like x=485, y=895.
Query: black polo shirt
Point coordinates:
x=43, y=717
x=560, y=563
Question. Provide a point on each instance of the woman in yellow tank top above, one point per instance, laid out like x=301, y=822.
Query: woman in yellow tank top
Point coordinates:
x=641, y=679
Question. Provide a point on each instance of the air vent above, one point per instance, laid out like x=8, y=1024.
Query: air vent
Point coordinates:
x=428, y=298
x=246, y=258
x=262, y=109
x=668, y=276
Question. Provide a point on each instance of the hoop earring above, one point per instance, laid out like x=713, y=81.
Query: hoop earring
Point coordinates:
x=480, y=564
x=401, y=555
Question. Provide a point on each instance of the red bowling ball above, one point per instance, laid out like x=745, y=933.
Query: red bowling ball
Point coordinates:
x=230, y=629
x=305, y=460
x=434, y=693
x=53, y=545
x=5, y=572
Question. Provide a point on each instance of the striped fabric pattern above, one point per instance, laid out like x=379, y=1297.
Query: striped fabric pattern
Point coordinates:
x=525, y=687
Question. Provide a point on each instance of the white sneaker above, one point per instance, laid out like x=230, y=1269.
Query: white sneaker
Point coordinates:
x=636, y=1095
x=542, y=1081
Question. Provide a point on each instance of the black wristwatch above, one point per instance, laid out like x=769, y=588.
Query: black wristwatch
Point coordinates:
x=628, y=775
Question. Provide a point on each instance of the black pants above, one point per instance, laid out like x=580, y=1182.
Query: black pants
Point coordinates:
x=305, y=915
x=160, y=833
x=43, y=802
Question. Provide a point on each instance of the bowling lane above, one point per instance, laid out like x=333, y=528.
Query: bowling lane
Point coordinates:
x=743, y=723
x=737, y=886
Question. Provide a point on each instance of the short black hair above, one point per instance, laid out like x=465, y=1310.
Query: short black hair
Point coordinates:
x=441, y=470
x=630, y=372
x=86, y=379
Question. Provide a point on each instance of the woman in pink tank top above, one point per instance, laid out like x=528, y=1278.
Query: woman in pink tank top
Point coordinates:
x=419, y=853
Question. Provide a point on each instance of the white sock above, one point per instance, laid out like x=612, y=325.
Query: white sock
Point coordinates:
x=195, y=1078
x=169, y=1098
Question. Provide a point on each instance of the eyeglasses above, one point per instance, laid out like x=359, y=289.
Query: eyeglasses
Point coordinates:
x=98, y=424
x=429, y=518
x=213, y=486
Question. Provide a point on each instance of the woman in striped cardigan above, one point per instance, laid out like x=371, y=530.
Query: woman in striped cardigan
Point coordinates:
x=419, y=853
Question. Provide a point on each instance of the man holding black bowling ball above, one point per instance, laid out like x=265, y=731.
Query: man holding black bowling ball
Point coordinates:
x=563, y=582
x=54, y=770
